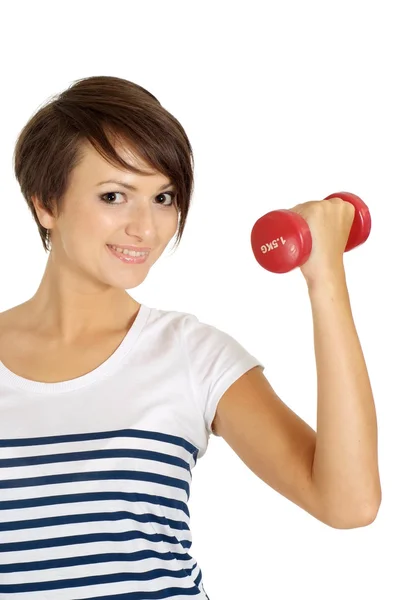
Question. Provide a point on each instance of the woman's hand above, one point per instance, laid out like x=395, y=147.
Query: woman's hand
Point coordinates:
x=330, y=223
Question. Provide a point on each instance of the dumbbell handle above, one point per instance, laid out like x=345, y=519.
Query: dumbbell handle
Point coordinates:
x=281, y=240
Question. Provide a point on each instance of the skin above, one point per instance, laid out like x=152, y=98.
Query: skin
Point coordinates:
x=82, y=291
x=345, y=471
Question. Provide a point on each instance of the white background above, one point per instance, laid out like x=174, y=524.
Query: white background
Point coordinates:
x=283, y=102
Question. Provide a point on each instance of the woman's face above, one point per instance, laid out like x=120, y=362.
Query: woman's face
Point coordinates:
x=146, y=217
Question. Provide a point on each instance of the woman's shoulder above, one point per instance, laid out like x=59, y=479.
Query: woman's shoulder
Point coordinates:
x=13, y=321
x=14, y=315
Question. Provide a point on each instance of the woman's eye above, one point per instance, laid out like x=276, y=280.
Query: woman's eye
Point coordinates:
x=105, y=197
x=171, y=195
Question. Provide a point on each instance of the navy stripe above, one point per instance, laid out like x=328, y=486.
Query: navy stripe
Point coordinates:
x=95, y=496
x=157, y=595
x=92, y=537
x=96, y=476
x=90, y=559
x=92, y=496
x=100, y=580
x=100, y=435
x=93, y=455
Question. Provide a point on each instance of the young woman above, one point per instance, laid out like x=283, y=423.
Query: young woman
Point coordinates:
x=106, y=404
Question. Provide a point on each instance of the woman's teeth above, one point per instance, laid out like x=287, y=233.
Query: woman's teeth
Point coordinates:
x=128, y=252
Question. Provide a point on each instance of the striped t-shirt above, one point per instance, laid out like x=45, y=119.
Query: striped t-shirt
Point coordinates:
x=95, y=472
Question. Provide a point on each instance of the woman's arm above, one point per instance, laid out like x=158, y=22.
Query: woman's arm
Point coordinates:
x=332, y=473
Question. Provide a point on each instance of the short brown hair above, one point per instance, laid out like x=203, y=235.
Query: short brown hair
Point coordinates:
x=49, y=146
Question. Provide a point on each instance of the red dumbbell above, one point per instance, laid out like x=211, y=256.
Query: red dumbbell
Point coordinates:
x=281, y=239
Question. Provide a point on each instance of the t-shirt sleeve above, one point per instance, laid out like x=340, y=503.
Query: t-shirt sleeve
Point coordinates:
x=216, y=361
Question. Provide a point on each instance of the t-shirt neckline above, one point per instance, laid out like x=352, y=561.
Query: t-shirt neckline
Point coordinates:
x=11, y=379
